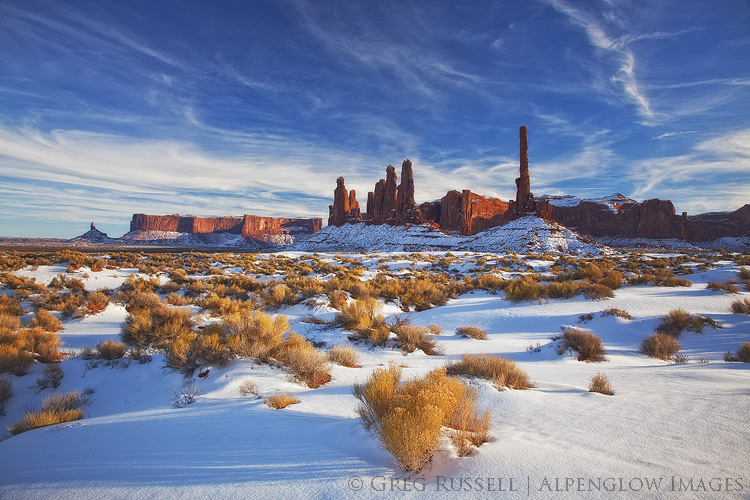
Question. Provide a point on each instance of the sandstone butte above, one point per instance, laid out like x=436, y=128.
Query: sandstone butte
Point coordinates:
x=467, y=213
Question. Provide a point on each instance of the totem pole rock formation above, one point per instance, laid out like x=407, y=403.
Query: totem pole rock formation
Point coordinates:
x=523, y=182
x=340, y=208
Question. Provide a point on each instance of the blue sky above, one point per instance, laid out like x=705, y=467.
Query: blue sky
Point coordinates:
x=109, y=108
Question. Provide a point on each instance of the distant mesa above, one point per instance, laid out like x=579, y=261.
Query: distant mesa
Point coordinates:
x=464, y=213
x=93, y=235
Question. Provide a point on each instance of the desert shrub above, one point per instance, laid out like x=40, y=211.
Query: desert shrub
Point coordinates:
x=613, y=311
x=221, y=306
x=337, y=298
x=55, y=409
x=9, y=324
x=308, y=365
x=660, y=345
x=470, y=429
x=179, y=351
x=600, y=383
x=740, y=306
x=248, y=387
x=595, y=291
x=727, y=287
x=344, y=355
x=96, y=302
x=210, y=348
x=588, y=345
x=502, y=372
x=6, y=392
x=187, y=395
x=562, y=289
x=156, y=327
x=612, y=280
x=435, y=329
x=136, y=301
x=13, y=359
x=413, y=337
x=254, y=335
x=10, y=306
x=279, y=401
x=679, y=319
x=471, y=331
x=111, y=349
x=680, y=358
x=50, y=378
x=585, y=318
x=44, y=345
x=408, y=417
x=490, y=282
x=46, y=321
x=87, y=352
x=422, y=294
x=744, y=273
x=364, y=318
x=276, y=296
x=177, y=300
x=742, y=354
x=525, y=288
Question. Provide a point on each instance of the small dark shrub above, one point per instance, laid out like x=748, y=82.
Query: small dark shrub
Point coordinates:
x=741, y=306
x=51, y=377
x=613, y=311
x=6, y=392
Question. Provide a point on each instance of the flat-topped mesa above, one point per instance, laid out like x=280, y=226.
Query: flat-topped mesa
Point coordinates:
x=249, y=226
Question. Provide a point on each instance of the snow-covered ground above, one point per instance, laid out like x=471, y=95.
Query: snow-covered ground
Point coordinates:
x=670, y=430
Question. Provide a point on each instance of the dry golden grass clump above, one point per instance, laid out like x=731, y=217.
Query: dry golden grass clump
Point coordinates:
x=337, y=298
x=111, y=349
x=471, y=331
x=600, y=383
x=307, y=364
x=660, y=345
x=344, y=355
x=564, y=289
x=620, y=313
x=679, y=319
x=10, y=306
x=740, y=306
x=413, y=337
x=364, y=318
x=279, y=401
x=502, y=372
x=408, y=417
x=55, y=409
x=586, y=344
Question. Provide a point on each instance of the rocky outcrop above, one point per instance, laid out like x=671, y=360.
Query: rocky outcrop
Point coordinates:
x=629, y=219
x=354, y=211
x=93, y=235
x=468, y=213
x=249, y=226
x=711, y=226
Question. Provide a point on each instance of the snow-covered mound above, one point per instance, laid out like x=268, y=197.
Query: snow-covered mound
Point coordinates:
x=531, y=234
x=377, y=238
x=527, y=234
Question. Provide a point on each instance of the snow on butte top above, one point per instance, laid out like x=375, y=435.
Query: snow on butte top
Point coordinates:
x=612, y=201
